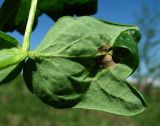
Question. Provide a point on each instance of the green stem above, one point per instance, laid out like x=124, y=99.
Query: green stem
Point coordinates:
x=32, y=12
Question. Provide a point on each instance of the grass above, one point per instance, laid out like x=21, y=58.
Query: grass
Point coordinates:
x=18, y=107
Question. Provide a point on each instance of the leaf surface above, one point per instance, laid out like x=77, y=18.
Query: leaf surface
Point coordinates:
x=80, y=37
x=108, y=94
x=104, y=53
x=54, y=82
x=11, y=58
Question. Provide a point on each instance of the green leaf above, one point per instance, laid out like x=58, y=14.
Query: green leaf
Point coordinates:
x=96, y=49
x=125, y=53
x=83, y=37
x=54, y=82
x=14, y=13
x=11, y=72
x=108, y=94
x=59, y=8
x=11, y=58
x=80, y=37
x=7, y=41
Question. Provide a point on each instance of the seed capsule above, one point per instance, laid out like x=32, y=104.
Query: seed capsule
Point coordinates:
x=107, y=61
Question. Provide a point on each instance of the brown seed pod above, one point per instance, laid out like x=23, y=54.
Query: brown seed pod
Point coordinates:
x=107, y=61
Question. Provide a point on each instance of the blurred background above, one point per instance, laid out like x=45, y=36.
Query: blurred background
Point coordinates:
x=18, y=107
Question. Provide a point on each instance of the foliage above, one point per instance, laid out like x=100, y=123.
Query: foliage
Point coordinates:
x=11, y=58
x=14, y=13
x=79, y=59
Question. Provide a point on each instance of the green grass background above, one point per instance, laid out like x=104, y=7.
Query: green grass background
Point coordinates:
x=18, y=107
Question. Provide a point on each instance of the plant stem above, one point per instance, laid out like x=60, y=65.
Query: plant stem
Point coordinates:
x=32, y=12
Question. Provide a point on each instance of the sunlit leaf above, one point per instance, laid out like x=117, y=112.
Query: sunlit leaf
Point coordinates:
x=107, y=93
x=83, y=63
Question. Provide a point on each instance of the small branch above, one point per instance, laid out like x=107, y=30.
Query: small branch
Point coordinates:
x=32, y=12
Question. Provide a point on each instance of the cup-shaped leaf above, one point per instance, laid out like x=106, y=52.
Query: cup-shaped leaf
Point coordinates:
x=99, y=55
x=125, y=53
x=11, y=58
